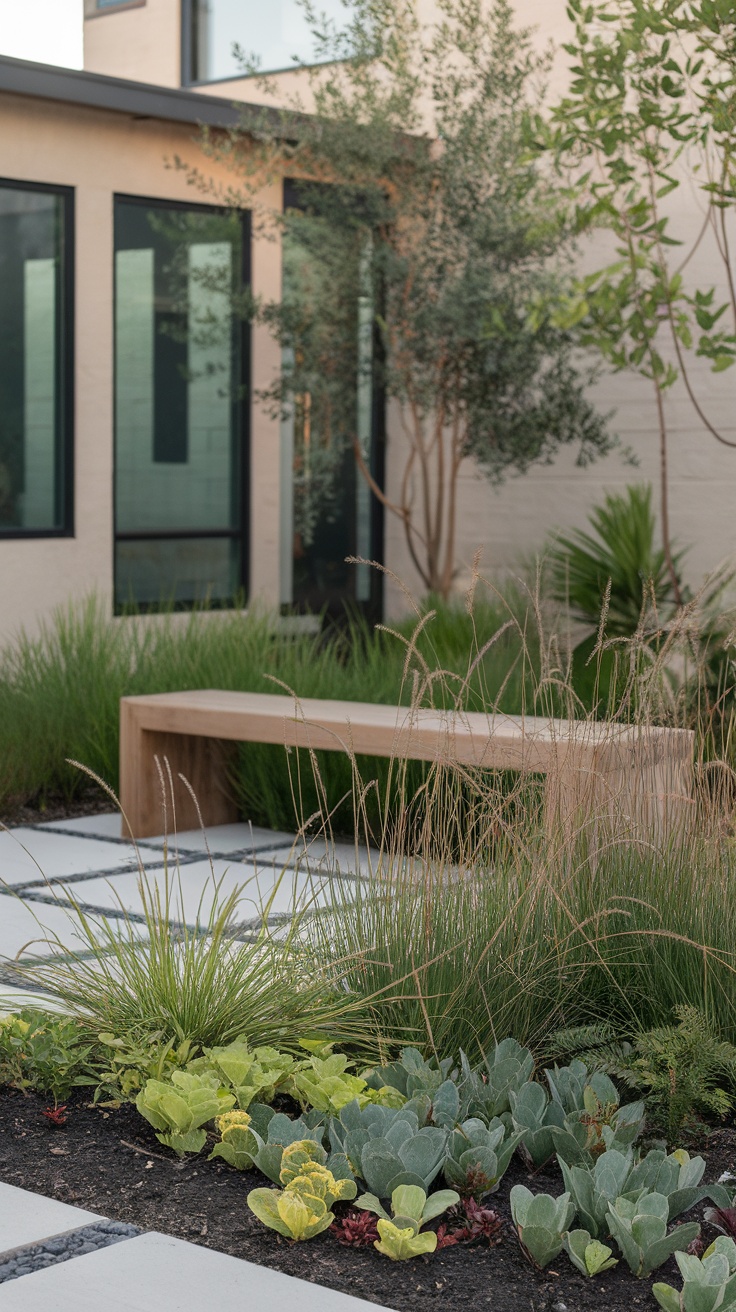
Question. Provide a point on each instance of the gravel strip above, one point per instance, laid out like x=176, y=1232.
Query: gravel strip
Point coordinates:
x=36, y=1257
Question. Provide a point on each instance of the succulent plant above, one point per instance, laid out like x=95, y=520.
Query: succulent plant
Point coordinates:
x=177, y=1110
x=640, y=1230
x=411, y=1074
x=300, y=1210
x=469, y=1222
x=589, y=1255
x=533, y=1114
x=478, y=1156
x=567, y=1085
x=708, y=1282
x=541, y=1222
x=399, y=1234
x=485, y=1091
x=238, y=1144
x=355, y=1229
x=386, y=1148
x=677, y=1175
x=593, y=1188
x=281, y=1132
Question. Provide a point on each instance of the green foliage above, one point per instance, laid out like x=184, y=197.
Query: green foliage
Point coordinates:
x=533, y=1115
x=615, y=576
x=708, y=1282
x=301, y=1210
x=589, y=1256
x=250, y=1073
x=478, y=1156
x=238, y=1145
x=275, y=1133
x=129, y=1061
x=681, y=1068
x=456, y=258
x=179, y=1109
x=486, y=1090
x=199, y=986
x=411, y=1209
x=541, y=1223
x=581, y=1119
x=325, y=1084
x=47, y=1053
x=387, y=1148
x=594, y=1189
x=640, y=1230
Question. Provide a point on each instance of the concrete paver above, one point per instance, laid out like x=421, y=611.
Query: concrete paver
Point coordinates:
x=28, y=855
x=155, y=1273
x=27, y=1218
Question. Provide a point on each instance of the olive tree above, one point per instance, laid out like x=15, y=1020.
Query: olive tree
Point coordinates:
x=427, y=252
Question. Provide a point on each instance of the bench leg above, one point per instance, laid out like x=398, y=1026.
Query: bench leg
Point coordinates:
x=204, y=762
x=640, y=793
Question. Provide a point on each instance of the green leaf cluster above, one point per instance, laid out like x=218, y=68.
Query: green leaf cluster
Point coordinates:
x=47, y=1053
x=541, y=1223
x=411, y=1209
x=477, y=1157
x=178, y=1110
x=709, y=1283
x=300, y=1210
x=589, y=1256
x=640, y=1230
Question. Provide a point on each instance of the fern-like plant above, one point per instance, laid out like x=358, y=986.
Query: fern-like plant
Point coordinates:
x=686, y=1071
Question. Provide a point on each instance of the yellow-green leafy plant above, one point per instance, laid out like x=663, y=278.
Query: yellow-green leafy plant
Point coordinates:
x=133, y=1059
x=324, y=1082
x=588, y=1255
x=301, y=1209
x=400, y=1234
x=238, y=1144
x=177, y=1111
x=251, y=1073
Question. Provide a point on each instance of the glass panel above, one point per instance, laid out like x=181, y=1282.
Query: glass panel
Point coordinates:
x=275, y=32
x=326, y=504
x=31, y=360
x=176, y=572
x=177, y=391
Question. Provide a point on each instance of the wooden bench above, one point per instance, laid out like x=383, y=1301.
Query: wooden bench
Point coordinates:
x=638, y=779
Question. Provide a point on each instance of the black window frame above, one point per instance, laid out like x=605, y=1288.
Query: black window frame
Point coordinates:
x=64, y=453
x=242, y=405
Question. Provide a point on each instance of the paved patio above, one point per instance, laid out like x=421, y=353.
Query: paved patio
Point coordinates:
x=45, y=867
x=149, y=1273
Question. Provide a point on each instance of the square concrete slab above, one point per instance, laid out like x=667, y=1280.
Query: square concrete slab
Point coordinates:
x=24, y=926
x=26, y=1218
x=323, y=858
x=155, y=1273
x=27, y=855
x=194, y=888
x=106, y=825
x=225, y=839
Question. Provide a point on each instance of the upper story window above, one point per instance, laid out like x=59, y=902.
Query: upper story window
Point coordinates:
x=36, y=282
x=275, y=32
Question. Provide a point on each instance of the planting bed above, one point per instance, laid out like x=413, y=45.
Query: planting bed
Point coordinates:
x=110, y=1161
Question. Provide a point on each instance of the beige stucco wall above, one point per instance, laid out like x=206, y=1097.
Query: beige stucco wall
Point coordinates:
x=142, y=43
x=100, y=153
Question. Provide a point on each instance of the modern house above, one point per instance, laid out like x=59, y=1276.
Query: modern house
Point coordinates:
x=134, y=460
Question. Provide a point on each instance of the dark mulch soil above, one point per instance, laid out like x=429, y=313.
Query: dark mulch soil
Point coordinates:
x=110, y=1162
x=55, y=807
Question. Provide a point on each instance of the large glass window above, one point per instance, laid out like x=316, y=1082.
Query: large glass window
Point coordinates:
x=180, y=431
x=275, y=32
x=35, y=359
x=328, y=513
